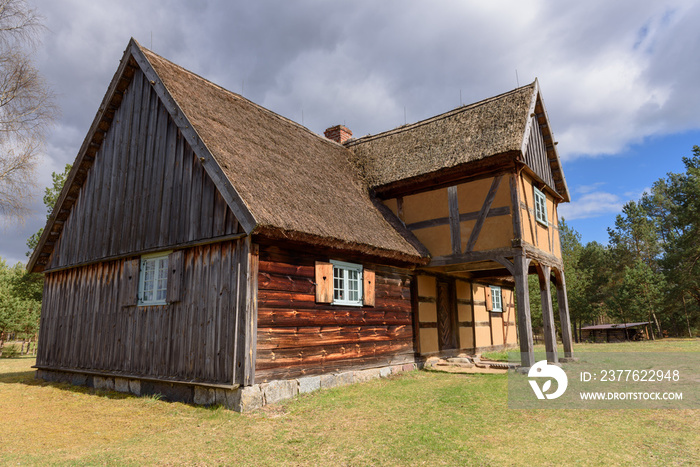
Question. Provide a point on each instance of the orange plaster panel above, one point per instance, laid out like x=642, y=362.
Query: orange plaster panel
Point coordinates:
x=393, y=205
x=427, y=312
x=471, y=196
x=426, y=206
x=483, y=336
x=464, y=312
x=466, y=338
x=480, y=313
x=497, y=232
x=426, y=286
x=428, y=340
x=464, y=291
x=497, y=329
x=436, y=239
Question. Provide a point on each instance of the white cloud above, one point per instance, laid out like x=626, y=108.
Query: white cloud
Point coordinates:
x=612, y=73
x=592, y=204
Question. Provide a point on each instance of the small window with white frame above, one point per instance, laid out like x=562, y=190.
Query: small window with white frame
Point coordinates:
x=347, y=283
x=540, y=207
x=496, y=299
x=153, y=279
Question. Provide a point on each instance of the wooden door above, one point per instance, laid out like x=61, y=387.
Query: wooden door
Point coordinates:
x=446, y=314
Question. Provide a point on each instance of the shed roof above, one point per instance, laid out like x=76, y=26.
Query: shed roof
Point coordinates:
x=614, y=326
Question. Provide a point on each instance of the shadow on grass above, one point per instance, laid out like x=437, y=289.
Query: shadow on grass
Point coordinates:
x=28, y=378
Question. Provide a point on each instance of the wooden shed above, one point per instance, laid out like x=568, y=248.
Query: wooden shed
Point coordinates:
x=208, y=249
x=615, y=332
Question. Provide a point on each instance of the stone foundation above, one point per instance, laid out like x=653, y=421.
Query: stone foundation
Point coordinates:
x=241, y=399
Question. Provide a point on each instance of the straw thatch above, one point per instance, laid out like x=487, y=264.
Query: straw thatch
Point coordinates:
x=467, y=134
x=296, y=184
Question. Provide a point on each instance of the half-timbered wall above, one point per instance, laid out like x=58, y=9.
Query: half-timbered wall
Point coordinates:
x=86, y=324
x=145, y=190
x=427, y=215
x=476, y=328
x=545, y=238
x=297, y=336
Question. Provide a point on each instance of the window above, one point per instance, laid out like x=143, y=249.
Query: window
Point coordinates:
x=541, y=207
x=153, y=279
x=496, y=299
x=347, y=283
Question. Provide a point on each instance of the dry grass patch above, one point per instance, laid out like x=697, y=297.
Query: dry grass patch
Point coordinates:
x=412, y=419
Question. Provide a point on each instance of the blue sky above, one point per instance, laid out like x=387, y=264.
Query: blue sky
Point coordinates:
x=619, y=79
x=600, y=186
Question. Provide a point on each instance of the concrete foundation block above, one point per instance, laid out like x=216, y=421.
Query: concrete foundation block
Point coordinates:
x=309, y=384
x=204, y=396
x=100, y=382
x=343, y=379
x=328, y=381
x=280, y=390
x=365, y=375
x=121, y=385
x=78, y=379
x=226, y=398
x=249, y=398
x=135, y=387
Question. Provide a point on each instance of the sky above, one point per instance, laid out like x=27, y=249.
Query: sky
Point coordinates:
x=619, y=79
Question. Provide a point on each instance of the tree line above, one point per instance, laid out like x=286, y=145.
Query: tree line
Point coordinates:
x=650, y=269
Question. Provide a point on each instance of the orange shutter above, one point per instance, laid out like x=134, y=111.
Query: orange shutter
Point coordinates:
x=368, y=287
x=489, y=301
x=324, y=282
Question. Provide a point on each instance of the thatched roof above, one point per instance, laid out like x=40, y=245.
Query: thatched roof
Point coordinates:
x=467, y=134
x=295, y=183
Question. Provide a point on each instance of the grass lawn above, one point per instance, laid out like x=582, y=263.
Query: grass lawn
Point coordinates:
x=416, y=418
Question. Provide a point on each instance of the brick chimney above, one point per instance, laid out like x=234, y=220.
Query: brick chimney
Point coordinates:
x=338, y=133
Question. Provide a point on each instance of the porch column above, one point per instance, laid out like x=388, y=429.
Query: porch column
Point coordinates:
x=527, y=354
x=550, y=330
x=564, y=319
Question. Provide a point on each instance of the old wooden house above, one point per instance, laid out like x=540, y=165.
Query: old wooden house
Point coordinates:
x=211, y=250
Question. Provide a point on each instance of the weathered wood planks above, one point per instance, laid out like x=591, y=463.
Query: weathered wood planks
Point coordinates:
x=90, y=321
x=297, y=335
x=145, y=189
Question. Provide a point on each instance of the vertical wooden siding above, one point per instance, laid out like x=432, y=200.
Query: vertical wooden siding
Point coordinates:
x=200, y=338
x=297, y=336
x=146, y=189
x=536, y=155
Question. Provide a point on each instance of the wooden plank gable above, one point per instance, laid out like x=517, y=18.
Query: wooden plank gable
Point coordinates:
x=146, y=189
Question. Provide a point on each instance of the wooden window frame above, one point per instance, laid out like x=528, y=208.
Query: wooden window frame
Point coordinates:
x=496, y=291
x=345, y=286
x=144, y=260
x=541, y=207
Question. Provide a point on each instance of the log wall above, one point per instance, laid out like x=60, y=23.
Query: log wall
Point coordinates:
x=146, y=189
x=201, y=338
x=297, y=336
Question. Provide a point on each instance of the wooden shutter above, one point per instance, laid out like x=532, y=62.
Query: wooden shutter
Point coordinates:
x=368, y=287
x=489, y=300
x=130, y=282
x=175, y=268
x=324, y=282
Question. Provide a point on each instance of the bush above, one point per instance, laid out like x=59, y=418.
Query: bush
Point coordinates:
x=9, y=351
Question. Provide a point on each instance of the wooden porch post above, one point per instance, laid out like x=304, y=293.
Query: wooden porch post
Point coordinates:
x=550, y=331
x=564, y=319
x=527, y=354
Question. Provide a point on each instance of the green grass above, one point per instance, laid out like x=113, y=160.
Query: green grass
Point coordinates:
x=417, y=418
